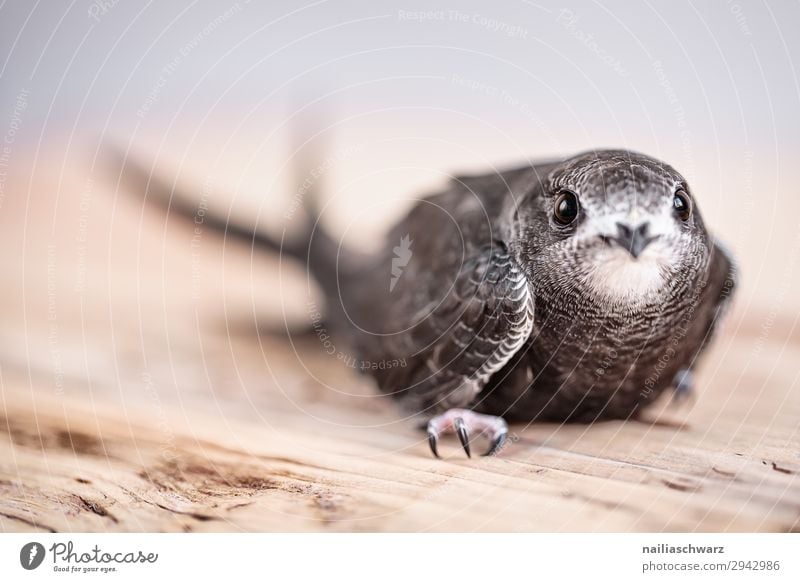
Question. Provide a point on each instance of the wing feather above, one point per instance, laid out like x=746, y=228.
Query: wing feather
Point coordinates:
x=470, y=335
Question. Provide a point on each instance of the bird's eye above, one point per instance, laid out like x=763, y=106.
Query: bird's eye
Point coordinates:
x=682, y=205
x=565, y=209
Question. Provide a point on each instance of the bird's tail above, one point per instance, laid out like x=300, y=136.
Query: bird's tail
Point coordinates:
x=325, y=259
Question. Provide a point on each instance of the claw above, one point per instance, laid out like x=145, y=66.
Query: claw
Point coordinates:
x=497, y=444
x=463, y=435
x=463, y=422
x=433, y=440
x=684, y=388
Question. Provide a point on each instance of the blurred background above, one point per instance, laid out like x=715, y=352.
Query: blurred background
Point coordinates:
x=106, y=300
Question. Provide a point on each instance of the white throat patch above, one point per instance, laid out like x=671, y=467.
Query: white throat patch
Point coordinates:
x=612, y=273
x=616, y=275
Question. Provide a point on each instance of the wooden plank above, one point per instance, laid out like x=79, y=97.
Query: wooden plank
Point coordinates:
x=68, y=465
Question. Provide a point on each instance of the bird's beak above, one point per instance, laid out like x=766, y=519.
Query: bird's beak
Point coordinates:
x=633, y=240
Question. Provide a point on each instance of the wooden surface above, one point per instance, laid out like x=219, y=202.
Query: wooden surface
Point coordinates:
x=137, y=395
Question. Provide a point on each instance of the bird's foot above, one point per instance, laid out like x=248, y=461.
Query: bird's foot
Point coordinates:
x=465, y=422
x=683, y=387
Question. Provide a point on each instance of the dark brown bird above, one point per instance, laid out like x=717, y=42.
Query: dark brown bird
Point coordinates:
x=576, y=290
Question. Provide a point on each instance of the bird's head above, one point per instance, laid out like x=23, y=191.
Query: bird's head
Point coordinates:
x=618, y=225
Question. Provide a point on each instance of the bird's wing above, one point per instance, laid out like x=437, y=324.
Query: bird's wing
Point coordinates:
x=719, y=287
x=484, y=319
x=722, y=282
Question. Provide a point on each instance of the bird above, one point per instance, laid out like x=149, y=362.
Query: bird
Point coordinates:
x=577, y=289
